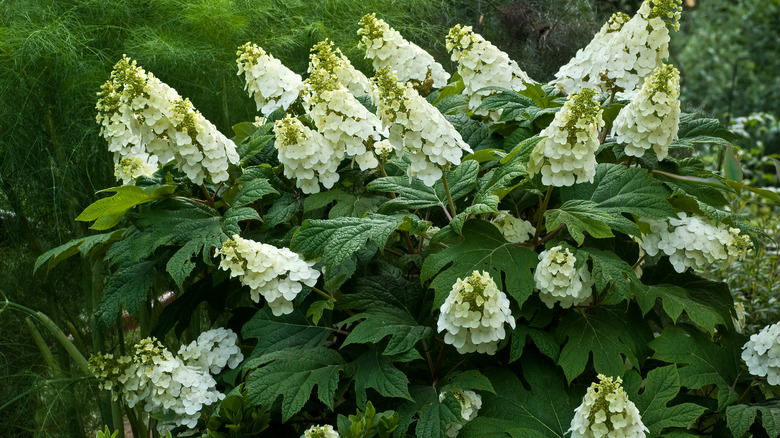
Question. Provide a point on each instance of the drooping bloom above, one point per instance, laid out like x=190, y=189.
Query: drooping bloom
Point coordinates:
x=388, y=49
x=481, y=64
x=762, y=354
x=559, y=281
x=607, y=412
x=694, y=241
x=272, y=85
x=141, y=117
x=515, y=230
x=418, y=127
x=325, y=431
x=470, y=402
x=323, y=55
x=212, y=351
x=474, y=313
x=571, y=140
x=277, y=274
x=622, y=58
x=651, y=120
x=339, y=117
x=306, y=155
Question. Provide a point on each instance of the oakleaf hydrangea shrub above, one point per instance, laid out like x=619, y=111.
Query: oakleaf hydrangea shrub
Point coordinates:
x=413, y=252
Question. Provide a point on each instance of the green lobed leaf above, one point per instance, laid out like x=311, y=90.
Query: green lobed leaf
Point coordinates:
x=234, y=215
x=127, y=288
x=434, y=415
x=485, y=249
x=579, y=216
x=281, y=211
x=83, y=246
x=700, y=361
x=662, y=385
x=252, y=191
x=336, y=240
x=107, y=212
x=612, y=335
x=546, y=406
x=274, y=333
x=740, y=417
x=544, y=340
x=375, y=370
x=692, y=127
x=378, y=322
x=292, y=373
x=471, y=380
x=613, y=274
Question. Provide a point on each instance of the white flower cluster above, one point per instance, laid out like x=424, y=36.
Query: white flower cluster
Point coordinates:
x=387, y=48
x=325, y=431
x=306, y=155
x=621, y=59
x=212, y=351
x=762, y=354
x=277, y=274
x=651, y=120
x=470, y=402
x=570, y=143
x=324, y=56
x=418, y=127
x=694, y=241
x=474, y=313
x=558, y=281
x=481, y=64
x=272, y=85
x=515, y=230
x=339, y=117
x=146, y=121
x=606, y=411
x=585, y=68
x=162, y=382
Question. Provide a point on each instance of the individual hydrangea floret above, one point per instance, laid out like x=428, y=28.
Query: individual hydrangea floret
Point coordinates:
x=652, y=119
x=559, y=281
x=272, y=85
x=306, y=155
x=606, y=411
x=341, y=118
x=212, y=351
x=571, y=140
x=418, y=127
x=694, y=241
x=161, y=382
x=130, y=168
x=474, y=313
x=762, y=354
x=481, y=64
x=277, y=274
x=383, y=149
x=621, y=59
x=585, y=68
x=515, y=230
x=387, y=48
x=324, y=56
x=141, y=117
x=325, y=431
x=470, y=403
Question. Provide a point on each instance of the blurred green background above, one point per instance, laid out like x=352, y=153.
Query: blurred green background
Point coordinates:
x=54, y=54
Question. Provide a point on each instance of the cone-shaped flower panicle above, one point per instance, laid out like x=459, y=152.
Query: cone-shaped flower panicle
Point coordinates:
x=342, y=120
x=277, y=274
x=607, y=412
x=326, y=431
x=470, y=402
x=147, y=121
x=624, y=53
x=762, y=354
x=694, y=241
x=569, y=149
x=651, y=120
x=515, y=230
x=324, y=56
x=159, y=381
x=474, y=313
x=481, y=64
x=306, y=155
x=387, y=48
x=272, y=85
x=559, y=281
x=418, y=127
